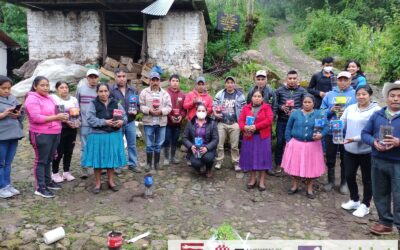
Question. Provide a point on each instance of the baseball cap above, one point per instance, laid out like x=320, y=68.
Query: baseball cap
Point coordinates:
x=230, y=77
x=389, y=86
x=344, y=74
x=200, y=79
x=261, y=73
x=92, y=72
x=154, y=75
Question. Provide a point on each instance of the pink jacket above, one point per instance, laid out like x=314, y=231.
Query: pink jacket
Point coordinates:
x=37, y=108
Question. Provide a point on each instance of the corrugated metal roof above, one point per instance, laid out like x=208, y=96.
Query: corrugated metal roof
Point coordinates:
x=158, y=8
x=8, y=40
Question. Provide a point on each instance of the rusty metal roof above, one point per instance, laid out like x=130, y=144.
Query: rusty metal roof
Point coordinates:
x=158, y=8
x=8, y=41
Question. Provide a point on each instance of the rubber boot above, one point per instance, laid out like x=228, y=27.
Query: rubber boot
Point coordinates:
x=156, y=160
x=166, y=156
x=173, y=158
x=331, y=180
x=147, y=168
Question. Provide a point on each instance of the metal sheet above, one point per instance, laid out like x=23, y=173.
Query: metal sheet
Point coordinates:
x=158, y=8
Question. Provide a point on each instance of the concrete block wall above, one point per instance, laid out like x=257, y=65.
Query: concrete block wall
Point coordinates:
x=75, y=35
x=177, y=42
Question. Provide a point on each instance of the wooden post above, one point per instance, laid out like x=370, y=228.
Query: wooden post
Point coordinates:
x=103, y=35
x=144, y=51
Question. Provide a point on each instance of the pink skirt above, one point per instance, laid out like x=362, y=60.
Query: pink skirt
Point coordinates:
x=303, y=159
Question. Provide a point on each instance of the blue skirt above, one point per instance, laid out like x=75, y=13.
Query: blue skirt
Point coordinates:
x=256, y=154
x=104, y=151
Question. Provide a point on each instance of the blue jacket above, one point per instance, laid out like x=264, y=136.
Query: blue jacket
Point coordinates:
x=301, y=127
x=370, y=133
x=329, y=100
x=358, y=81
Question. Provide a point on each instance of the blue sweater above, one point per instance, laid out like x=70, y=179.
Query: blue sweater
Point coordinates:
x=301, y=126
x=329, y=100
x=370, y=133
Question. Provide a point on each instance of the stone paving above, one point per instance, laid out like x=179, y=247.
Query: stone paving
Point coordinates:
x=185, y=206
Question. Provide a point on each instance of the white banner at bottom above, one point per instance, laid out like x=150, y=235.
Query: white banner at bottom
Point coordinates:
x=283, y=245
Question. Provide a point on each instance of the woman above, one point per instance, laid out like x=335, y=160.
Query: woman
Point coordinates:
x=68, y=133
x=357, y=75
x=357, y=153
x=10, y=132
x=44, y=133
x=104, y=148
x=255, y=152
x=303, y=156
x=201, y=156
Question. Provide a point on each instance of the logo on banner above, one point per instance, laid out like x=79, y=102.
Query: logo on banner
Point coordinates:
x=310, y=248
x=192, y=246
x=222, y=247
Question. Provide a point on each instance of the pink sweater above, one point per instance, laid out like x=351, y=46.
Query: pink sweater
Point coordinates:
x=37, y=108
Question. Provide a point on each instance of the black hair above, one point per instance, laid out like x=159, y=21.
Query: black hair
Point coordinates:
x=309, y=96
x=36, y=82
x=258, y=90
x=358, y=65
x=4, y=79
x=328, y=59
x=119, y=70
x=201, y=105
x=366, y=88
x=58, y=84
x=176, y=76
x=292, y=72
x=102, y=84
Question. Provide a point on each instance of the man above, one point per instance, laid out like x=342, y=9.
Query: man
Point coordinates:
x=155, y=104
x=198, y=95
x=322, y=82
x=334, y=112
x=175, y=119
x=228, y=104
x=385, y=160
x=288, y=97
x=85, y=93
x=261, y=83
x=124, y=93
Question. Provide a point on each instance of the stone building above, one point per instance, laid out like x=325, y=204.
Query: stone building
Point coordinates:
x=6, y=44
x=172, y=34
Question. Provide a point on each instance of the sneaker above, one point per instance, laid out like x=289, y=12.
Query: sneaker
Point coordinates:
x=361, y=211
x=57, y=178
x=218, y=165
x=13, y=190
x=44, y=193
x=68, y=176
x=135, y=169
x=5, y=193
x=166, y=162
x=351, y=205
x=237, y=168
x=54, y=186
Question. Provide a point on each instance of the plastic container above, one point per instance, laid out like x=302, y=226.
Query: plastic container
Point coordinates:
x=54, y=235
x=337, y=131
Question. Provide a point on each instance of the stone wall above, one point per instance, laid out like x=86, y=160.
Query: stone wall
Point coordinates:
x=177, y=42
x=75, y=35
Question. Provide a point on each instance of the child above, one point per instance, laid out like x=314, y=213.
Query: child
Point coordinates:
x=303, y=156
x=10, y=132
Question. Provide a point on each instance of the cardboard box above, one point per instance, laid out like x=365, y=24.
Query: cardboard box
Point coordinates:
x=111, y=62
x=107, y=72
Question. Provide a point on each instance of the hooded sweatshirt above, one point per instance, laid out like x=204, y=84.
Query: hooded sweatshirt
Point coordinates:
x=10, y=128
x=37, y=108
x=190, y=106
x=329, y=100
x=177, y=100
x=355, y=120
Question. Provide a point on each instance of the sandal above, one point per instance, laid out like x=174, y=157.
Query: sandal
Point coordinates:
x=251, y=186
x=262, y=189
x=113, y=188
x=293, y=191
x=310, y=195
x=96, y=190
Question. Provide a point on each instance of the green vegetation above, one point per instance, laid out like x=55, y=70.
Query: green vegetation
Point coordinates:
x=225, y=232
x=365, y=30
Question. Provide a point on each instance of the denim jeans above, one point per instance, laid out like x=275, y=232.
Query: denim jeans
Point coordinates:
x=130, y=134
x=84, y=132
x=155, y=136
x=280, y=141
x=171, y=136
x=7, y=153
x=385, y=185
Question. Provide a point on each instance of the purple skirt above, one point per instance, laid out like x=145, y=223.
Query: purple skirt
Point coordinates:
x=256, y=154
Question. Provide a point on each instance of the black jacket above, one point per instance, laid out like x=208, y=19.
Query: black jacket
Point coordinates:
x=319, y=82
x=211, y=134
x=103, y=112
x=282, y=95
x=269, y=95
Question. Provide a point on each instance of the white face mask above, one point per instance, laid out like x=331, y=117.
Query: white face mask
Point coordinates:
x=201, y=115
x=328, y=69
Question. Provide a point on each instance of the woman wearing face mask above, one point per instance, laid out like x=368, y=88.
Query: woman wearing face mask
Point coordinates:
x=255, y=122
x=303, y=157
x=358, y=154
x=68, y=133
x=357, y=75
x=104, y=148
x=201, y=139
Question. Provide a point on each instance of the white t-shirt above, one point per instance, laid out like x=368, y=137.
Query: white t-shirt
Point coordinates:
x=72, y=102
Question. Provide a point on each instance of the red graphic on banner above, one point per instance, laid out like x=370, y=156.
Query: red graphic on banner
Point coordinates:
x=192, y=246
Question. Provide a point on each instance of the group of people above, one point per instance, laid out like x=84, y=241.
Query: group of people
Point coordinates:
x=335, y=114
